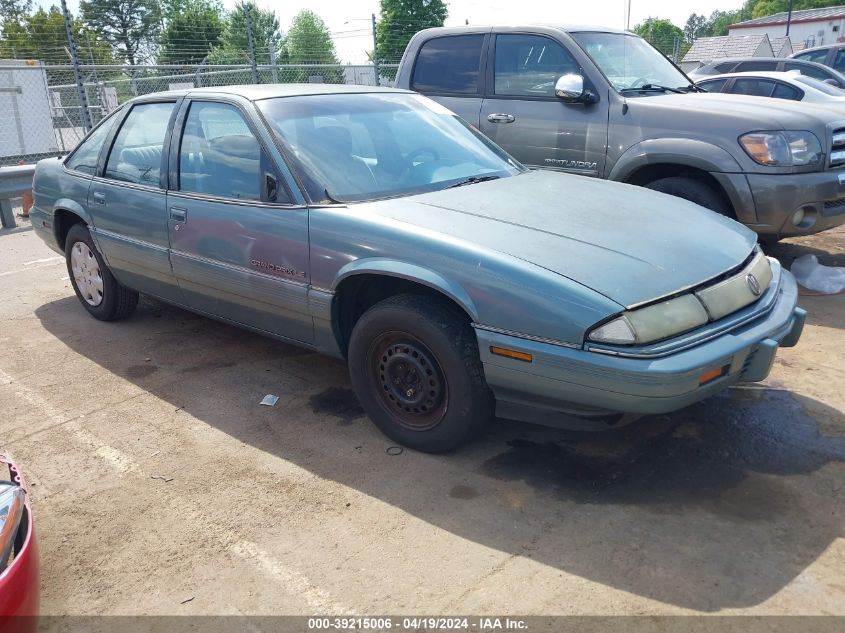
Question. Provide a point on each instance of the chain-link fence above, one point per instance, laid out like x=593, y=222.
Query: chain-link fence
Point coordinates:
x=44, y=116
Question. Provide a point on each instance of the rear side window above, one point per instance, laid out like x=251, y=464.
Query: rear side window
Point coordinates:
x=714, y=85
x=813, y=56
x=784, y=91
x=449, y=64
x=137, y=150
x=724, y=67
x=219, y=156
x=750, y=67
x=529, y=65
x=85, y=158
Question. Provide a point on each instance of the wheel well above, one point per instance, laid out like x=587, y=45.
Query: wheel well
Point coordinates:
x=64, y=219
x=649, y=173
x=356, y=294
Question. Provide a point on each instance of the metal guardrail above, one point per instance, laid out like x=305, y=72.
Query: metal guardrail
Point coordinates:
x=14, y=182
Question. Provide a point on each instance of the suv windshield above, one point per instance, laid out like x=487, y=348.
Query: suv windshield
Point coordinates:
x=352, y=147
x=629, y=62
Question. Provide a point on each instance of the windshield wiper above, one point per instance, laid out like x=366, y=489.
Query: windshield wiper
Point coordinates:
x=472, y=180
x=653, y=88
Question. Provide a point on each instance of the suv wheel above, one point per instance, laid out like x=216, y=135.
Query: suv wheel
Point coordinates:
x=415, y=368
x=97, y=290
x=692, y=190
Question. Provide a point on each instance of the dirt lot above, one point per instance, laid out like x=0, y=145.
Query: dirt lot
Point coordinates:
x=734, y=505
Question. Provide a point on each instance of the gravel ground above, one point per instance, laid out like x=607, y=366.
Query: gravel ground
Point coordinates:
x=157, y=478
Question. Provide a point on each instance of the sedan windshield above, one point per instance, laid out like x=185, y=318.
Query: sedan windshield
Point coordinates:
x=630, y=63
x=352, y=147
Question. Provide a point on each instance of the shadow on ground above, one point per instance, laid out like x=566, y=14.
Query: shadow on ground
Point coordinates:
x=717, y=506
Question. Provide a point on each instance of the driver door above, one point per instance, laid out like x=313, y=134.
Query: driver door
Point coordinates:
x=521, y=113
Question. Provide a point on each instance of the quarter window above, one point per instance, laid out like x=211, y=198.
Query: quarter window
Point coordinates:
x=529, y=65
x=449, y=64
x=86, y=156
x=219, y=156
x=784, y=91
x=137, y=150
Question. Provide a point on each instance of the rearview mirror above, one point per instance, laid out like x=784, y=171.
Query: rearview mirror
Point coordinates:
x=570, y=89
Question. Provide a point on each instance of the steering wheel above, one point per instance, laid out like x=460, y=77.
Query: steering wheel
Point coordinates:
x=639, y=83
x=421, y=151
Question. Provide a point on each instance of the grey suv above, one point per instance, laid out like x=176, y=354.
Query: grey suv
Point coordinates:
x=604, y=103
x=833, y=56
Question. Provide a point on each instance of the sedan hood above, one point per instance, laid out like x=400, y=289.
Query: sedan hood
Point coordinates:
x=630, y=244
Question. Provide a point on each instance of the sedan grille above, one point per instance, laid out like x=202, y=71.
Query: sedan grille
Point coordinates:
x=837, y=148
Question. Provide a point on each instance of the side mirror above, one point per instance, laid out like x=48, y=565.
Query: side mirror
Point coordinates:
x=832, y=82
x=570, y=89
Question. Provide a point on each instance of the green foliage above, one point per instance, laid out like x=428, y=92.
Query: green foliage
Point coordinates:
x=192, y=29
x=309, y=41
x=695, y=27
x=130, y=26
x=660, y=33
x=234, y=41
x=400, y=19
x=14, y=10
x=42, y=36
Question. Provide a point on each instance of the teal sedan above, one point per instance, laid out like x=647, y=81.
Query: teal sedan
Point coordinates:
x=375, y=225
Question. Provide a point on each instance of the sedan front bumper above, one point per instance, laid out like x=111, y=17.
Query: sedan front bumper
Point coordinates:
x=568, y=380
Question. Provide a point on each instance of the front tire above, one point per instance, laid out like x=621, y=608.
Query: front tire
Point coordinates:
x=692, y=190
x=96, y=288
x=415, y=368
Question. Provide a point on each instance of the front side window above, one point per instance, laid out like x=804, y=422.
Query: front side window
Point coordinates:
x=449, y=64
x=352, y=147
x=629, y=62
x=137, y=151
x=84, y=159
x=529, y=65
x=219, y=155
x=753, y=87
x=714, y=85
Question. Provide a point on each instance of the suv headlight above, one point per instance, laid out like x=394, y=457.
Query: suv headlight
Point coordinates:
x=782, y=149
x=11, y=510
x=652, y=323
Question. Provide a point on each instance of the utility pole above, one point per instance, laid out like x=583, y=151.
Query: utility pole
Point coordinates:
x=85, y=115
x=375, y=52
x=251, y=35
x=271, y=46
x=788, y=18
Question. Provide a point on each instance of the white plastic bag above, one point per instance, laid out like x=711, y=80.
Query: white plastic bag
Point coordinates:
x=814, y=276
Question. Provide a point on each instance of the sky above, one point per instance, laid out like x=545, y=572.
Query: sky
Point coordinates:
x=349, y=20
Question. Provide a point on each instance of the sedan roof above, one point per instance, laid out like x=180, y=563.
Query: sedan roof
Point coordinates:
x=255, y=92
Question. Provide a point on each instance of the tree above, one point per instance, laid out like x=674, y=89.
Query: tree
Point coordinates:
x=14, y=10
x=660, y=33
x=400, y=20
x=309, y=42
x=191, y=31
x=130, y=26
x=234, y=41
x=42, y=36
x=696, y=26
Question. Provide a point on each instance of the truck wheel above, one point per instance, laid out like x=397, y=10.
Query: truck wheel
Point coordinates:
x=415, y=368
x=97, y=290
x=692, y=190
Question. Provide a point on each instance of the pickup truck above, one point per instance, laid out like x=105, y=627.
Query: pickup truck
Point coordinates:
x=605, y=103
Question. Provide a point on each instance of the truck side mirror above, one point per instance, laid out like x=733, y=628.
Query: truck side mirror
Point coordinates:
x=570, y=89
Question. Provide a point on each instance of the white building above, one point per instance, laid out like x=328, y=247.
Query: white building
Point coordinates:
x=810, y=27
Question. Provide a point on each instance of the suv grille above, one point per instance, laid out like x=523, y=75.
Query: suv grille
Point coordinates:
x=837, y=148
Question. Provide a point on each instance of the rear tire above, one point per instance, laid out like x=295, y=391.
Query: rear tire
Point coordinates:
x=415, y=368
x=96, y=288
x=692, y=190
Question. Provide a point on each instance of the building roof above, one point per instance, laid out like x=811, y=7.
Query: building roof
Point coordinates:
x=778, y=43
x=806, y=15
x=707, y=48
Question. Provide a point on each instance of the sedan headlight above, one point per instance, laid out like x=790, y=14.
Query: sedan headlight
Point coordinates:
x=652, y=323
x=782, y=149
x=11, y=511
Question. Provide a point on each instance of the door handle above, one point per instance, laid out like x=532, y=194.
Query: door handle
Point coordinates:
x=501, y=118
x=179, y=214
x=99, y=197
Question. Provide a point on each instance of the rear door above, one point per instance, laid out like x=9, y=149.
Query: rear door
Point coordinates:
x=448, y=69
x=128, y=202
x=521, y=113
x=239, y=248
